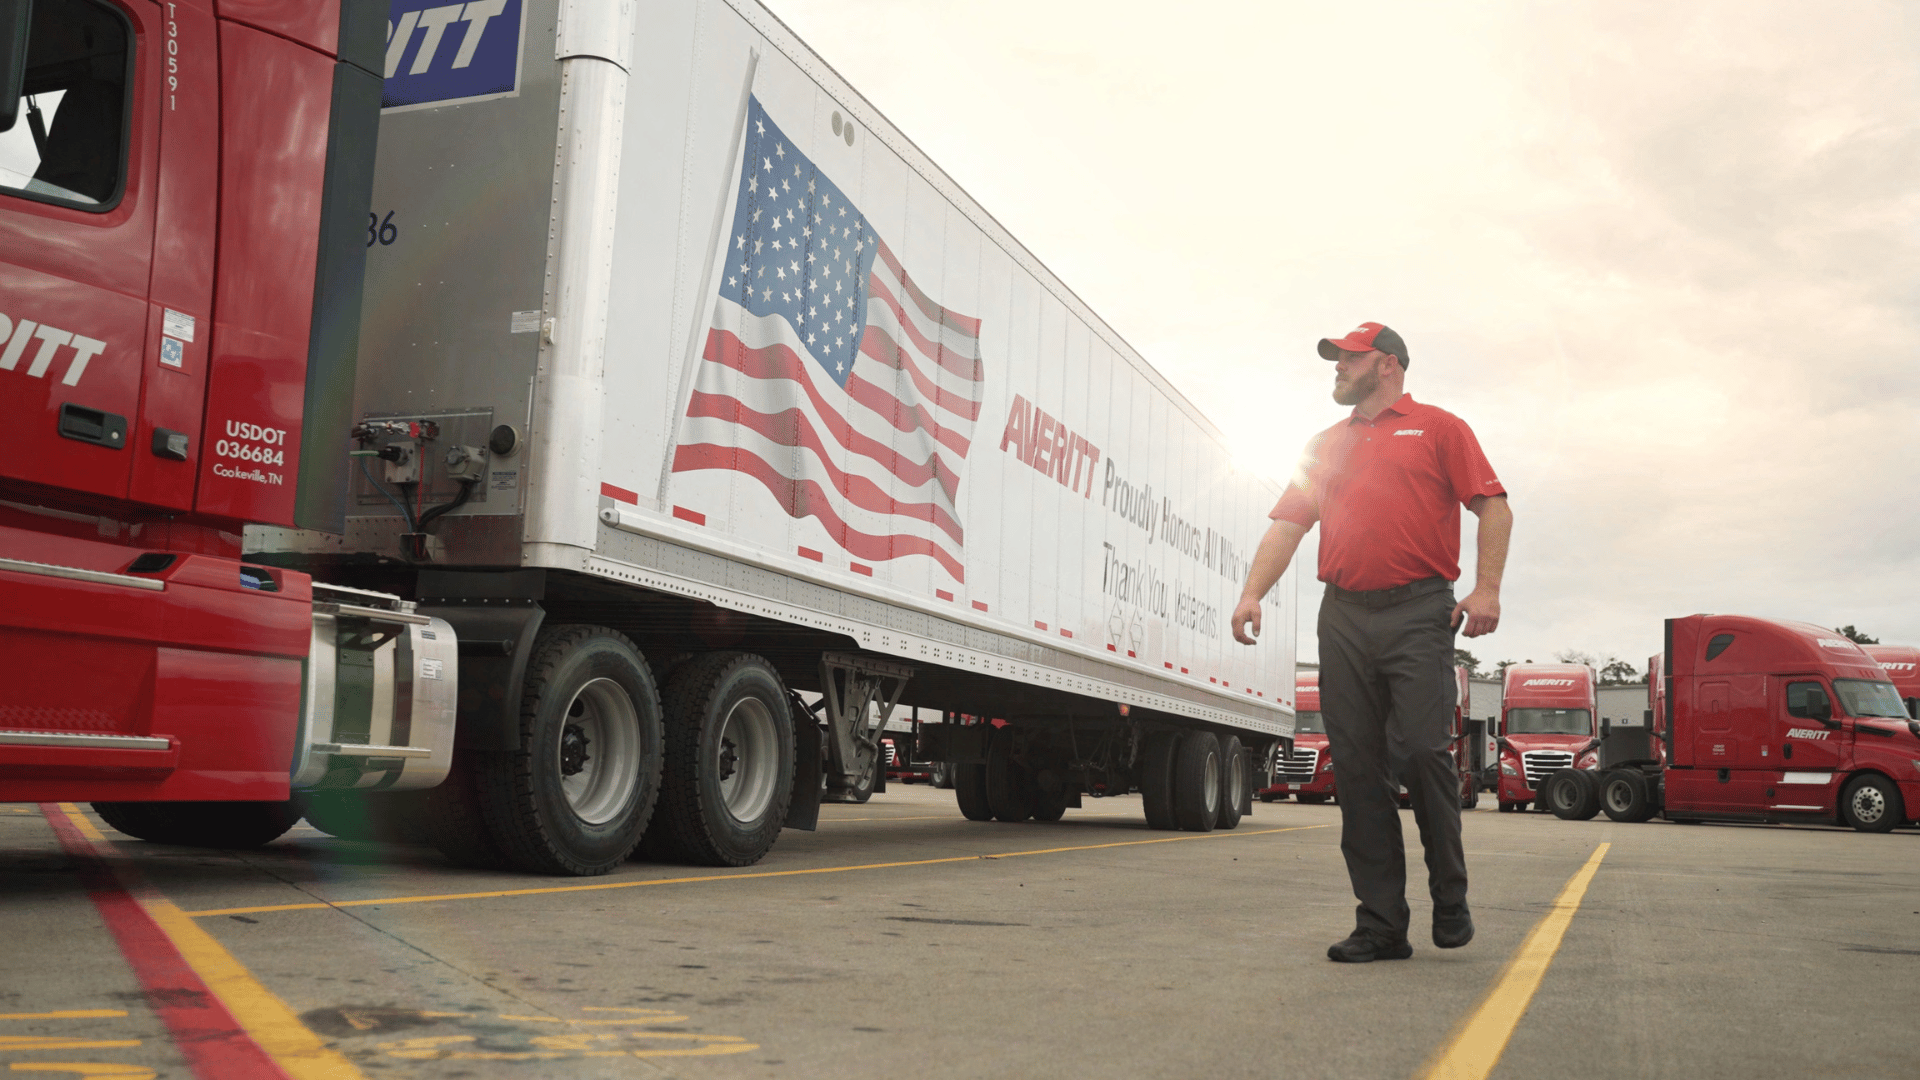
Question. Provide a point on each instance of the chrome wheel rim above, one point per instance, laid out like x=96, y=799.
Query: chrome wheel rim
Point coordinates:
x=599, y=751
x=749, y=759
x=1210, y=788
x=1869, y=804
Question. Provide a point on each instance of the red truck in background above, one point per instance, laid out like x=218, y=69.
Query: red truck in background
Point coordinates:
x=1548, y=722
x=1758, y=720
x=1305, y=771
x=1902, y=664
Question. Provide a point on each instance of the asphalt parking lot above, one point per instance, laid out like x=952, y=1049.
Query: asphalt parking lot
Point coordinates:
x=901, y=939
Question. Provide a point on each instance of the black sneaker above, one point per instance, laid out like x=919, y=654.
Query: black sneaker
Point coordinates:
x=1361, y=948
x=1452, y=927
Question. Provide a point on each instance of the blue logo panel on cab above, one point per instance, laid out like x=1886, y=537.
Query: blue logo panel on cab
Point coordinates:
x=443, y=54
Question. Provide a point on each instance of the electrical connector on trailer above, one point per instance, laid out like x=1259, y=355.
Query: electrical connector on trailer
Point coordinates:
x=466, y=463
x=403, y=464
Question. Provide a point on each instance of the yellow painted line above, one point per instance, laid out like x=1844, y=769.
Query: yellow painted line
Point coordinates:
x=260, y=1013
x=82, y=822
x=883, y=817
x=66, y=1014
x=605, y=885
x=113, y=1070
x=59, y=1042
x=1477, y=1044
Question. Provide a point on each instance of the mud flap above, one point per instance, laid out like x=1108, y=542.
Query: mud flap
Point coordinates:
x=809, y=782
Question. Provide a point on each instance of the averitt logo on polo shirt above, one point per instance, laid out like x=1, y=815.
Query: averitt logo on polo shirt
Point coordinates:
x=1410, y=431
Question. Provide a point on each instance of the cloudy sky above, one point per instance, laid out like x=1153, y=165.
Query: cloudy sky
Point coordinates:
x=1662, y=257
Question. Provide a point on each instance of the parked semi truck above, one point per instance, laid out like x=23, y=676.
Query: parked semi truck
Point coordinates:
x=1758, y=720
x=1548, y=722
x=1902, y=665
x=476, y=423
x=1305, y=771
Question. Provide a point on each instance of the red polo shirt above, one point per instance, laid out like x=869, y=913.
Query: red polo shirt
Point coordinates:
x=1387, y=493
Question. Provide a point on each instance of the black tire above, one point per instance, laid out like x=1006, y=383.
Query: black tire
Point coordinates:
x=1196, y=781
x=1048, y=805
x=942, y=774
x=1156, y=779
x=1470, y=794
x=1009, y=791
x=202, y=824
x=1233, y=783
x=1624, y=796
x=970, y=791
x=728, y=772
x=577, y=793
x=1871, y=803
x=1311, y=799
x=451, y=816
x=1572, y=795
x=378, y=816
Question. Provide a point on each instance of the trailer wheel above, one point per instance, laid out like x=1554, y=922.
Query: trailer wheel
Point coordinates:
x=970, y=791
x=1156, y=779
x=202, y=824
x=1047, y=805
x=728, y=772
x=942, y=774
x=1625, y=796
x=1009, y=792
x=378, y=816
x=1871, y=803
x=576, y=794
x=1571, y=794
x=1233, y=783
x=1196, y=781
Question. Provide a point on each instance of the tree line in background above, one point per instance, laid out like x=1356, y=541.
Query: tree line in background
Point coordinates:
x=1613, y=670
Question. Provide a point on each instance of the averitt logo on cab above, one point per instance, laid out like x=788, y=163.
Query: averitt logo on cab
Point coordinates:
x=18, y=335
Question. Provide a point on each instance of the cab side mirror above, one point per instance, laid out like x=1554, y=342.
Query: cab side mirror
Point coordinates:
x=15, y=17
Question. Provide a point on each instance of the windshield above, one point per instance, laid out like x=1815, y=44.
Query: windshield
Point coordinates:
x=1307, y=722
x=1859, y=697
x=1549, y=722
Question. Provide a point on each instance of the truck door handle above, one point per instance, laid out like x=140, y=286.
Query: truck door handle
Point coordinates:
x=94, y=426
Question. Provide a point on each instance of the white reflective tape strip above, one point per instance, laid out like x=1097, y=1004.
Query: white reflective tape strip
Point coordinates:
x=1806, y=778
x=74, y=573
x=86, y=739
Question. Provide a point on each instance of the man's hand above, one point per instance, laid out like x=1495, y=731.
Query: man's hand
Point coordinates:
x=1247, y=612
x=1478, y=614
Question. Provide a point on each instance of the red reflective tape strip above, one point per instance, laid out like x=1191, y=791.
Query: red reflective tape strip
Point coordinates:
x=1064, y=632
x=860, y=569
x=694, y=516
x=1038, y=625
x=978, y=606
x=809, y=553
x=1130, y=652
x=1112, y=648
x=943, y=594
x=204, y=1032
x=620, y=494
x=1169, y=665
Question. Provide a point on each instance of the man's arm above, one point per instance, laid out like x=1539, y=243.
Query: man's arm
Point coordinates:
x=1269, y=562
x=1482, y=605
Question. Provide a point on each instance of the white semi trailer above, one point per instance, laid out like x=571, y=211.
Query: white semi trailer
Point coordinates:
x=687, y=383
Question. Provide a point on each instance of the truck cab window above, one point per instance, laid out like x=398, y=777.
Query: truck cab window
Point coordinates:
x=1861, y=697
x=1806, y=700
x=1549, y=722
x=68, y=145
x=1307, y=723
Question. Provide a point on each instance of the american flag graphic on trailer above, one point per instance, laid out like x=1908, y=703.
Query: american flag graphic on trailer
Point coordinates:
x=828, y=375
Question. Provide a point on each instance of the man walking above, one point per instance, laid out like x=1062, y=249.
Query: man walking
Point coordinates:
x=1386, y=485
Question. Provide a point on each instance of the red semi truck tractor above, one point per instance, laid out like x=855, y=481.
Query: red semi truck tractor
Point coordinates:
x=427, y=421
x=1758, y=720
x=1902, y=664
x=1547, y=723
x=1305, y=770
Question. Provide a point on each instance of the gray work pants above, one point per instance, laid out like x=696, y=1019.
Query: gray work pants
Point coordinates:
x=1387, y=695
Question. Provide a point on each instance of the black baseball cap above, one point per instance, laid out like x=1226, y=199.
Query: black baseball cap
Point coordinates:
x=1366, y=337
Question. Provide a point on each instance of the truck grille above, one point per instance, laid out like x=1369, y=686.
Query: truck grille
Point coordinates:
x=1541, y=764
x=1298, y=768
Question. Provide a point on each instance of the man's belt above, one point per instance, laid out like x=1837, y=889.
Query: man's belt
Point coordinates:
x=1382, y=598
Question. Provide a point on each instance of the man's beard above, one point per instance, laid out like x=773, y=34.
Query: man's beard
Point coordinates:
x=1357, y=391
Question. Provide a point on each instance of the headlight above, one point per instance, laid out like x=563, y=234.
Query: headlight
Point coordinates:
x=1327, y=766
x=1507, y=769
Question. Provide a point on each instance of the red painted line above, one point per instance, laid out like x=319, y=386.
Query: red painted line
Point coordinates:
x=943, y=594
x=860, y=569
x=978, y=606
x=204, y=1032
x=619, y=493
x=694, y=516
x=809, y=553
